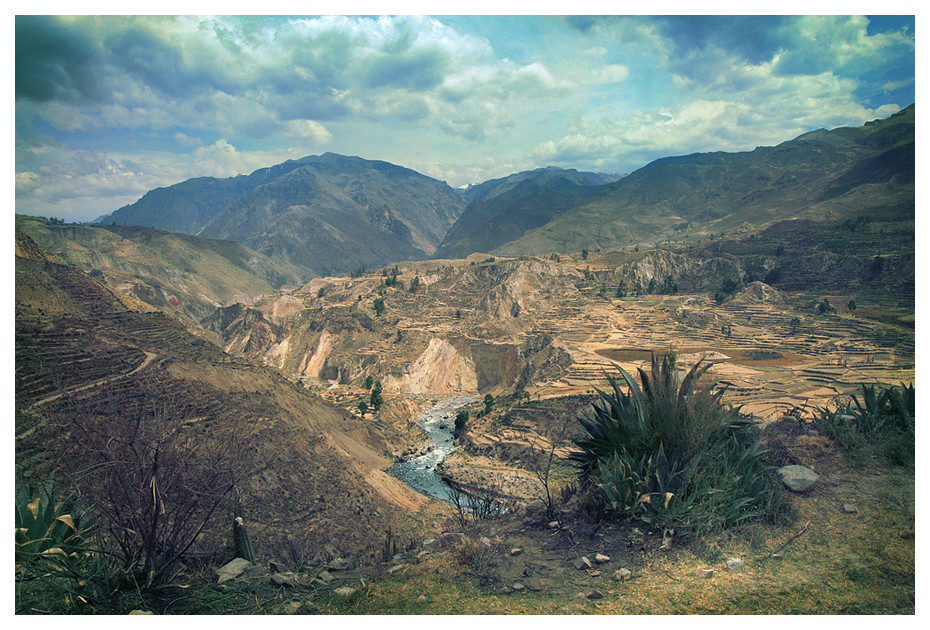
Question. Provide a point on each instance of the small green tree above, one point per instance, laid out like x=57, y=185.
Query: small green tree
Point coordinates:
x=488, y=403
x=851, y=306
x=584, y=254
x=363, y=407
x=376, y=399
x=378, y=305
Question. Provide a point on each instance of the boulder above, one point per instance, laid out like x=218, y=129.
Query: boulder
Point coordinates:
x=735, y=565
x=798, y=478
x=341, y=564
x=232, y=569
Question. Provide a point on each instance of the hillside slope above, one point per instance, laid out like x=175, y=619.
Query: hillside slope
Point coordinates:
x=504, y=209
x=178, y=273
x=322, y=214
x=846, y=173
x=308, y=472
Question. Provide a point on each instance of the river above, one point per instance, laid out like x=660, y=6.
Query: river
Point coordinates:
x=438, y=423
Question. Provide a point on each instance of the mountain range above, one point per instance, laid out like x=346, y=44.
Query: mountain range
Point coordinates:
x=332, y=214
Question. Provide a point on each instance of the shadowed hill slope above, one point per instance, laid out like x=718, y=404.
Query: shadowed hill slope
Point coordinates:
x=308, y=472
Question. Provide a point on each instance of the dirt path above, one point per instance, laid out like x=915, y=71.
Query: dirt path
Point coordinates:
x=149, y=357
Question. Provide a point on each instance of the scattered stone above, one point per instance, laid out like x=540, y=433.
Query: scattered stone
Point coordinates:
x=516, y=551
x=291, y=608
x=594, y=573
x=486, y=541
x=623, y=575
x=451, y=539
x=850, y=508
x=517, y=586
x=421, y=599
x=325, y=576
x=341, y=564
x=396, y=568
x=668, y=539
x=288, y=579
x=735, y=565
x=595, y=594
x=706, y=573
x=232, y=569
x=601, y=558
x=555, y=525
x=141, y=612
x=582, y=563
x=345, y=591
x=534, y=584
x=798, y=478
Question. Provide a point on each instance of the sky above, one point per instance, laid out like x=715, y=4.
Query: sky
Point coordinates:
x=110, y=107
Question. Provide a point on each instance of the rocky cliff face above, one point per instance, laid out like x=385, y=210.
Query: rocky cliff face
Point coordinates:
x=455, y=328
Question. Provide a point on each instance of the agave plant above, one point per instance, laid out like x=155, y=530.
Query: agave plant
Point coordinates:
x=45, y=525
x=670, y=452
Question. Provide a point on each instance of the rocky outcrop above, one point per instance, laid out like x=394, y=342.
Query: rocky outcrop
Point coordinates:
x=689, y=273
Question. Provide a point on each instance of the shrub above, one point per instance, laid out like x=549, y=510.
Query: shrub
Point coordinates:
x=883, y=420
x=668, y=452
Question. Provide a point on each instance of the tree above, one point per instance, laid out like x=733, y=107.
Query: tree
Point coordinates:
x=378, y=305
x=621, y=289
x=461, y=421
x=584, y=254
x=488, y=403
x=851, y=305
x=363, y=406
x=369, y=381
x=376, y=399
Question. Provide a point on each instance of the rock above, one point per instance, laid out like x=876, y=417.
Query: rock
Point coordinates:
x=706, y=573
x=850, y=508
x=735, y=565
x=396, y=568
x=594, y=573
x=517, y=586
x=288, y=579
x=291, y=608
x=553, y=525
x=345, y=591
x=450, y=540
x=232, y=569
x=325, y=576
x=421, y=599
x=341, y=564
x=516, y=551
x=141, y=612
x=486, y=541
x=623, y=575
x=534, y=584
x=798, y=478
x=601, y=558
x=582, y=563
x=595, y=594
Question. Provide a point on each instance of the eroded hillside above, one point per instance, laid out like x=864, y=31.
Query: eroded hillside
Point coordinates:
x=92, y=363
x=545, y=328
